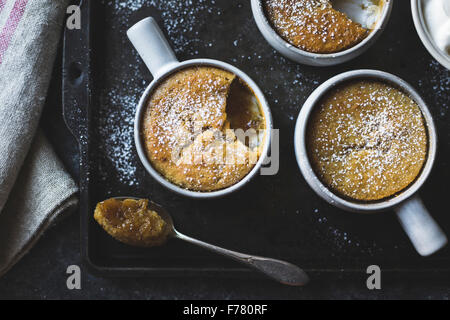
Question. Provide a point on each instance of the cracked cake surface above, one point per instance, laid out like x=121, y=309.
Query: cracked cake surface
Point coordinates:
x=187, y=132
x=367, y=140
x=313, y=25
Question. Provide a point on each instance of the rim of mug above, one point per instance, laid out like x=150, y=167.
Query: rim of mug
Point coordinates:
x=302, y=154
x=424, y=34
x=143, y=105
x=349, y=53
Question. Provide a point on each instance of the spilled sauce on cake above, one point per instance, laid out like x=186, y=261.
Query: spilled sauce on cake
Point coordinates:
x=314, y=25
x=189, y=129
x=367, y=140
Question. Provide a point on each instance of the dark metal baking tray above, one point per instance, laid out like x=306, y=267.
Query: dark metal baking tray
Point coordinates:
x=277, y=216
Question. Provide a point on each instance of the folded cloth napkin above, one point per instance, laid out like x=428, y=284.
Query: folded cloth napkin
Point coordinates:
x=34, y=187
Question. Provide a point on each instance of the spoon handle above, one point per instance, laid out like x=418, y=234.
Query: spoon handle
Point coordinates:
x=281, y=271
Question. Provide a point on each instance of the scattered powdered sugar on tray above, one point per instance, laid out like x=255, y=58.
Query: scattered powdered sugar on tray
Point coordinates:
x=343, y=241
x=179, y=17
x=115, y=127
x=132, y=5
x=440, y=85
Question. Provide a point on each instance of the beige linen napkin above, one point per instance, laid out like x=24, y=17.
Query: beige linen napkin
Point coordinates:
x=34, y=187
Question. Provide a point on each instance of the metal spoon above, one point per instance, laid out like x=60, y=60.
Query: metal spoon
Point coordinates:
x=281, y=271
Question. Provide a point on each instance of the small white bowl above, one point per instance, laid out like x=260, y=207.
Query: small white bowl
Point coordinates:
x=157, y=54
x=317, y=59
x=424, y=34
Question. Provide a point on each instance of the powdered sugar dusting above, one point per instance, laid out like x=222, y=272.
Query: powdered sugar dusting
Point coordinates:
x=115, y=127
x=313, y=25
x=179, y=17
x=440, y=83
x=188, y=130
x=367, y=140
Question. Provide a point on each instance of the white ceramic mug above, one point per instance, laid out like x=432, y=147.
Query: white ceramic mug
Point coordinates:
x=317, y=59
x=157, y=54
x=425, y=234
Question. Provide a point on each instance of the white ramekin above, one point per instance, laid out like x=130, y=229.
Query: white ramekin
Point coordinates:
x=425, y=36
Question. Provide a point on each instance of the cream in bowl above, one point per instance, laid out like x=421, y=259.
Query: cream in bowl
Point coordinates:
x=437, y=18
x=321, y=32
x=432, y=22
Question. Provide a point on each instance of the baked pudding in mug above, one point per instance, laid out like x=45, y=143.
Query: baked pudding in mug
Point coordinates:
x=203, y=128
x=323, y=26
x=367, y=140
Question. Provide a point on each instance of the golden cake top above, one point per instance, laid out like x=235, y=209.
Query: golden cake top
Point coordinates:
x=187, y=130
x=313, y=25
x=367, y=140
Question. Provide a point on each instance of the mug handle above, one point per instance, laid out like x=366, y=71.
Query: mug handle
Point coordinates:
x=152, y=46
x=423, y=231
